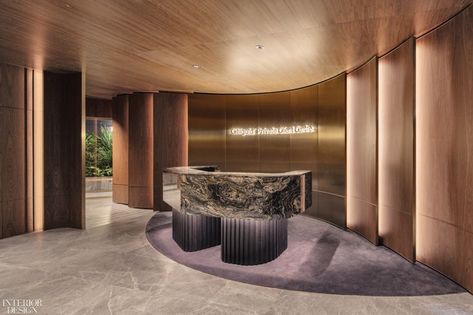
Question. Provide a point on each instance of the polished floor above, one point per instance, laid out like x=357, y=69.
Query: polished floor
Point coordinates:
x=112, y=269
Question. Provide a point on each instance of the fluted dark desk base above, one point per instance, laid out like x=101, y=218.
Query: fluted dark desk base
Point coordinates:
x=194, y=231
x=253, y=241
x=244, y=241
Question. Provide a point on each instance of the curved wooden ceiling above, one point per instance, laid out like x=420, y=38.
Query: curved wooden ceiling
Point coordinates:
x=138, y=45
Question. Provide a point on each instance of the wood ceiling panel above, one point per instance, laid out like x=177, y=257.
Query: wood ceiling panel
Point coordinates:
x=138, y=45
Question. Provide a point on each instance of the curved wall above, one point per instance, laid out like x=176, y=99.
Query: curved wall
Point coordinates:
x=211, y=116
x=444, y=149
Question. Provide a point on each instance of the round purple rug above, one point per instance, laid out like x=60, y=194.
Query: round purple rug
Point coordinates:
x=319, y=258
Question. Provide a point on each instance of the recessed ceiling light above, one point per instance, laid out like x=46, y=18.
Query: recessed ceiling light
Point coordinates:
x=259, y=46
x=195, y=66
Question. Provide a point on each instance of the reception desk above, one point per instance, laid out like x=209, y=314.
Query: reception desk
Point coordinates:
x=244, y=212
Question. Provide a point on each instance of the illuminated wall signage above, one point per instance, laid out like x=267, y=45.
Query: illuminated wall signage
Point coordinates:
x=284, y=130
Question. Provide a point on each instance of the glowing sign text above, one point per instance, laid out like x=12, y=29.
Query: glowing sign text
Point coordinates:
x=284, y=130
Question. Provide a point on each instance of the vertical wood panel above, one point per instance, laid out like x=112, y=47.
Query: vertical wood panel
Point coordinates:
x=207, y=130
x=12, y=150
x=444, y=147
x=170, y=139
x=98, y=107
x=120, y=153
x=362, y=214
x=140, y=151
x=64, y=116
x=396, y=149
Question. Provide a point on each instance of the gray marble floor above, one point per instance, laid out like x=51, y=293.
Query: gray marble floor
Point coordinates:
x=111, y=269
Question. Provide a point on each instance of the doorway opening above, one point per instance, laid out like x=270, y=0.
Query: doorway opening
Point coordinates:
x=98, y=171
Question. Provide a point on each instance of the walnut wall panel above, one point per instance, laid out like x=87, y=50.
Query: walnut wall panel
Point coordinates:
x=98, y=107
x=322, y=152
x=120, y=153
x=64, y=132
x=140, y=151
x=396, y=149
x=170, y=139
x=444, y=146
x=362, y=214
x=12, y=151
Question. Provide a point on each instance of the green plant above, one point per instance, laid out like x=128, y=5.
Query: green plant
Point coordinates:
x=90, y=155
x=98, y=153
x=104, y=151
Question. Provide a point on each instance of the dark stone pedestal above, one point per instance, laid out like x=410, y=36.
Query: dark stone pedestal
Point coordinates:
x=253, y=241
x=195, y=231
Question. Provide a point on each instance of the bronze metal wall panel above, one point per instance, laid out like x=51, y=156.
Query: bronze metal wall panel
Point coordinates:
x=362, y=216
x=274, y=150
x=207, y=129
x=170, y=139
x=444, y=146
x=303, y=151
x=242, y=153
x=331, y=151
x=214, y=115
x=331, y=118
x=120, y=149
x=140, y=151
x=396, y=149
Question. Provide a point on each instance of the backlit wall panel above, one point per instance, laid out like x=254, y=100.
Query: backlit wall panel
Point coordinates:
x=444, y=149
x=396, y=149
x=362, y=210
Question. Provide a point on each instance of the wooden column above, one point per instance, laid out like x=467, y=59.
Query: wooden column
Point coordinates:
x=120, y=149
x=64, y=132
x=140, y=151
x=444, y=149
x=396, y=149
x=170, y=139
x=362, y=197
